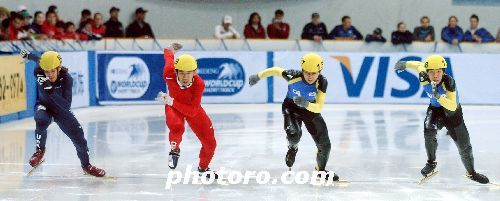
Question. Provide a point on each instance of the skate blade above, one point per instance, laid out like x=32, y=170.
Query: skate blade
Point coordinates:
x=103, y=177
x=426, y=178
x=34, y=168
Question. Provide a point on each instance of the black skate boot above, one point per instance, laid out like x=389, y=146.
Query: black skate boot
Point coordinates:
x=328, y=174
x=290, y=156
x=478, y=177
x=429, y=168
x=208, y=172
x=173, y=156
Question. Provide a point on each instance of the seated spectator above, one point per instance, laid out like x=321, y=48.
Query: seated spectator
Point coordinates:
x=476, y=34
x=401, y=36
x=97, y=27
x=424, y=32
x=36, y=25
x=315, y=30
x=87, y=31
x=254, y=28
x=53, y=8
x=376, y=36
x=16, y=31
x=59, y=30
x=70, y=32
x=49, y=26
x=139, y=28
x=498, y=36
x=452, y=33
x=114, y=28
x=226, y=30
x=84, y=16
x=278, y=29
x=345, y=31
x=4, y=13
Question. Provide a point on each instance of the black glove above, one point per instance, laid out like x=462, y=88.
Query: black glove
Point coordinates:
x=24, y=54
x=300, y=101
x=422, y=76
x=253, y=79
x=44, y=83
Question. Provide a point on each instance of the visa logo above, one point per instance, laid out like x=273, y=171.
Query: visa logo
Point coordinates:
x=355, y=85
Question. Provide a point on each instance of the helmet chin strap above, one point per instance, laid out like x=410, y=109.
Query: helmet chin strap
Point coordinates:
x=182, y=86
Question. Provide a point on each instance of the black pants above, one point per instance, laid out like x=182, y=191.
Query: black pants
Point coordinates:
x=68, y=124
x=436, y=119
x=315, y=125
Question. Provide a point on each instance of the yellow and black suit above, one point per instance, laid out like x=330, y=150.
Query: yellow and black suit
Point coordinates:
x=294, y=115
x=444, y=112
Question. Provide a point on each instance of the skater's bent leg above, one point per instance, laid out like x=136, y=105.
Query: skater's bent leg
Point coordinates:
x=293, y=129
x=203, y=129
x=460, y=136
x=319, y=132
x=70, y=126
x=42, y=120
x=175, y=123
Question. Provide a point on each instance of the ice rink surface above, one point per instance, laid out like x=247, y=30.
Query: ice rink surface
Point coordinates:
x=379, y=148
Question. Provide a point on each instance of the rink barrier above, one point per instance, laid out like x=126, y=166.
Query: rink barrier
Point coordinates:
x=352, y=77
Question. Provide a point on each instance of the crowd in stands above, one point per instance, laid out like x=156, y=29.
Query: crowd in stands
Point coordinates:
x=317, y=31
x=21, y=25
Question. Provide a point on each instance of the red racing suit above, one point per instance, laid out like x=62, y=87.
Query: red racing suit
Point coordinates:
x=187, y=106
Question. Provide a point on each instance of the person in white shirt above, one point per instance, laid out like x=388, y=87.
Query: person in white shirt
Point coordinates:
x=226, y=30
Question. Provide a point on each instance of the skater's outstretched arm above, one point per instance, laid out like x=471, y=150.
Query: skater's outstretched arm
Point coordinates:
x=274, y=71
x=168, y=69
x=417, y=66
x=449, y=101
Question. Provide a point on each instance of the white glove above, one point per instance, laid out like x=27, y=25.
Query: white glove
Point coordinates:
x=24, y=54
x=174, y=47
x=164, y=98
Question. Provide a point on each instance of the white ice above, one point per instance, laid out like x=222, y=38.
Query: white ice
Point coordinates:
x=379, y=148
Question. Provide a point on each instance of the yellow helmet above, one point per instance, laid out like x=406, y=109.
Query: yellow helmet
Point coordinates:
x=435, y=62
x=312, y=62
x=50, y=60
x=185, y=62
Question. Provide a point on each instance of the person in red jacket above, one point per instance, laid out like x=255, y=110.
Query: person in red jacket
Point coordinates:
x=70, y=32
x=278, y=29
x=49, y=26
x=183, y=103
x=254, y=28
x=97, y=27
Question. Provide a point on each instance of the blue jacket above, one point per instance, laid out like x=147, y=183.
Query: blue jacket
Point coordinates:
x=481, y=32
x=339, y=31
x=310, y=30
x=371, y=38
x=448, y=34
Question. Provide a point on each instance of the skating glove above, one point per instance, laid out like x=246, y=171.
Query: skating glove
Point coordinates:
x=175, y=46
x=253, y=79
x=44, y=83
x=24, y=54
x=300, y=101
x=400, y=66
x=422, y=76
x=435, y=92
x=164, y=98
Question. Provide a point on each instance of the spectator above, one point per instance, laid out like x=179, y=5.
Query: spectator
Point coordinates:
x=70, y=32
x=26, y=22
x=114, y=28
x=376, y=36
x=476, y=34
x=226, y=30
x=53, y=8
x=85, y=15
x=87, y=31
x=4, y=13
x=452, y=33
x=498, y=36
x=254, y=28
x=49, y=26
x=345, y=31
x=59, y=30
x=402, y=35
x=424, y=32
x=278, y=29
x=140, y=28
x=36, y=25
x=16, y=31
x=97, y=27
x=315, y=30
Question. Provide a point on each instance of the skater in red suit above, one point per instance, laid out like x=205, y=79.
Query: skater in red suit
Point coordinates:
x=183, y=103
